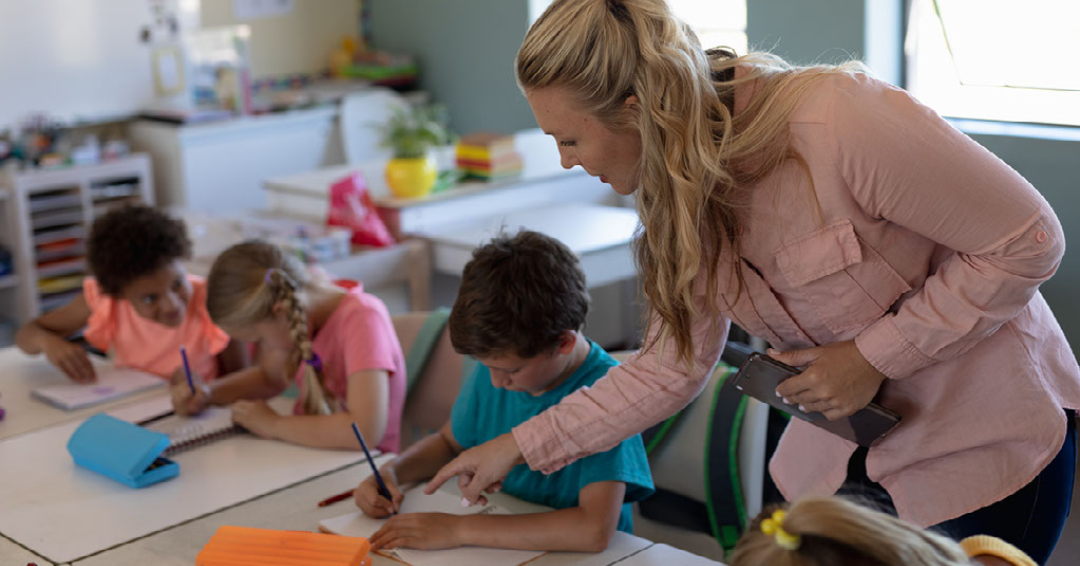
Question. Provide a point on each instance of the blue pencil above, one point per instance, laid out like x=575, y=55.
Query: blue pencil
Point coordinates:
x=378, y=478
x=187, y=369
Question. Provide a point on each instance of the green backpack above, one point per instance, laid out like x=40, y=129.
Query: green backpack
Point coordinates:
x=723, y=513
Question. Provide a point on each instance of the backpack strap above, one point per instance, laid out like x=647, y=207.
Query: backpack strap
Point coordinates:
x=723, y=489
x=424, y=344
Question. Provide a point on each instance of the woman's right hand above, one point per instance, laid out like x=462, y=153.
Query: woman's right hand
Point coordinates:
x=480, y=469
x=71, y=359
x=185, y=402
x=371, y=502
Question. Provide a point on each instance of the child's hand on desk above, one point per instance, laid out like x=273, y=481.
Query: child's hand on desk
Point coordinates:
x=256, y=416
x=184, y=402
x=71, y=359
x=371, y=502
x=425, y=531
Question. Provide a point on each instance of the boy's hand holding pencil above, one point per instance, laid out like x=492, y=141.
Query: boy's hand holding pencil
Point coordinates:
x=375, y=504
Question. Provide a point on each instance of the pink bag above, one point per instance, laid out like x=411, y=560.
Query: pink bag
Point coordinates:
x=351, y=207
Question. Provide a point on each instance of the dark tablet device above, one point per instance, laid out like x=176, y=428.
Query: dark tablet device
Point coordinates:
x=760, y=376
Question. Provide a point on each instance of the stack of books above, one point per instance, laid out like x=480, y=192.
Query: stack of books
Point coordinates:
x=242, y=546
x=488, y=156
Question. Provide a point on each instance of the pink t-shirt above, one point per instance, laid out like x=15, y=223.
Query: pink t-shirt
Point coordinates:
x=145, y=345
x=359, y=336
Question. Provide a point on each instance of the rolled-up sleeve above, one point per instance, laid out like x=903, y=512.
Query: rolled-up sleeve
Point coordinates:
x=905, y=164
x=646, y=389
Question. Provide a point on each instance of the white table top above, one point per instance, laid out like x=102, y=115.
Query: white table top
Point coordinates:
x=19, y=374
x=599, y=235
x=294, y=508
x=539, y=153
x=11, y=553
x=584, y=228
x=664, y=555
x=64, y=512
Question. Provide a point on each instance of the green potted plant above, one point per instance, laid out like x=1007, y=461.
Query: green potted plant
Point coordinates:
x=412, y=133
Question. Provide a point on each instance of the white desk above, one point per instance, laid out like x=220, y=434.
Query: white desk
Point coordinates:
x=543, y=182
x=64, y=512
x=664, y=555
x=599, y=235
x=11, y=553
x=407, y=262
x=295, y=508
x=19, y=374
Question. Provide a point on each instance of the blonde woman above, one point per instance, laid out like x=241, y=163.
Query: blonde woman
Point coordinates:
x=835, y=531
x=853, y=229
x=339, y=347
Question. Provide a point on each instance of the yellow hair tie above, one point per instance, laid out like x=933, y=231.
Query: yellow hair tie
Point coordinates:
x=774, y=527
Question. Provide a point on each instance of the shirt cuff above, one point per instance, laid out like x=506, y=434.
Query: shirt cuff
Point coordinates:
x=983, y=545
x=889, y=351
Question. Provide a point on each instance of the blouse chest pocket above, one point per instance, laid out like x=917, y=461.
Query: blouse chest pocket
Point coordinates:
x=848, y=284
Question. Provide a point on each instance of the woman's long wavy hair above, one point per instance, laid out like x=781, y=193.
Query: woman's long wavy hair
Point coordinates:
x=833, y=530
x=697, y=157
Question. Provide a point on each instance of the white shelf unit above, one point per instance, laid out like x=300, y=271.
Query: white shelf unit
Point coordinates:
x=50, y=214
x=8, y=282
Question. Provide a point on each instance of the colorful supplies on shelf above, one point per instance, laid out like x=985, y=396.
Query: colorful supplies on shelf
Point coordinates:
x=243, y=546
x=489, y=156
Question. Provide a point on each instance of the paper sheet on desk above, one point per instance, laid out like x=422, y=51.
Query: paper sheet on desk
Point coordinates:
x=359, y=525
x=111, y=384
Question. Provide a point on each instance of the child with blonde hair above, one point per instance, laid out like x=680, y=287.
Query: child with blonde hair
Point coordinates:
x=339, y=347
x=140, y=306
x=833, y=531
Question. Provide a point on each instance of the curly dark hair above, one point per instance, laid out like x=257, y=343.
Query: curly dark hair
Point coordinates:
x=518, y=295
x=131, y=242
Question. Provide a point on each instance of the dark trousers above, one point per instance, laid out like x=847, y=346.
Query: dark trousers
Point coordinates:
x=1030, y=519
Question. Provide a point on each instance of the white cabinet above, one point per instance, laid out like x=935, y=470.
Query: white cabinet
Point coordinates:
x=219, y=167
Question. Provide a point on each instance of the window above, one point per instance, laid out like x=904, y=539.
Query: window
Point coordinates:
x=716, y=22
x=996, y=59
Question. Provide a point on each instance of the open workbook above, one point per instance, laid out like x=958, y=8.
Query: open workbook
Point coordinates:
x=357, y=524
x=112, y=383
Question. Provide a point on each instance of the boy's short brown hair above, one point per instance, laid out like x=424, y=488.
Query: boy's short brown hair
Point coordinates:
x=518, y=295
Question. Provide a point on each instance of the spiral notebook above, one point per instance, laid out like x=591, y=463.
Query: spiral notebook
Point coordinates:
x=185, y=433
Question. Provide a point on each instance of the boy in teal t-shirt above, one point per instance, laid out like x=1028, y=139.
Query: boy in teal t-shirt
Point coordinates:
x=483, y=411
x=519, y=312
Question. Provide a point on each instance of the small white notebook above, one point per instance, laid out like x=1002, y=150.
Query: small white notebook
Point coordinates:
x=357, y=524
x=111, y=384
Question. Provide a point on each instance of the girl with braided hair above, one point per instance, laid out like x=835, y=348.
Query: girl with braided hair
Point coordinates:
x=339, y=346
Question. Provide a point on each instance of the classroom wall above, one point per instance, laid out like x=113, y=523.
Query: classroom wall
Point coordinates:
x=298, y=42
x=466, y=53
x=822, y=31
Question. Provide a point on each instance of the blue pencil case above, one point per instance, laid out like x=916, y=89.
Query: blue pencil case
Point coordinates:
x=122, y=451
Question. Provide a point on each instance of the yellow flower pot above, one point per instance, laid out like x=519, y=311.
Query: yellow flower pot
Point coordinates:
x=411, y=177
